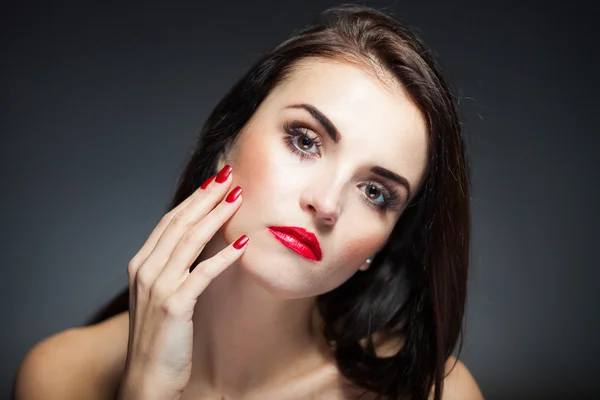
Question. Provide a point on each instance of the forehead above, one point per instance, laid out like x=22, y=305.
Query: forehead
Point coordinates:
x=378, y=122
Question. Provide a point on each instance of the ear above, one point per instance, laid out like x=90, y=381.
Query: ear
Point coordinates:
x=364, y=266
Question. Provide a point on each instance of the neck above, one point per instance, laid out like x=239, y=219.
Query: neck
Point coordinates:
x=245, y=339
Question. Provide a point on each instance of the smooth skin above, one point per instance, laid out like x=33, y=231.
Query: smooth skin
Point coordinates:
x=163, y=293
x=88, y=363
x=256, y=333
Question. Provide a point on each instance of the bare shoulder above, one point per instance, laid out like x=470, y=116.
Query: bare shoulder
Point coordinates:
x=459, y=384
x=82, y=362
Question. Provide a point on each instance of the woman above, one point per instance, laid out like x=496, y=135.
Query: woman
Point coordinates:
x=316, y=247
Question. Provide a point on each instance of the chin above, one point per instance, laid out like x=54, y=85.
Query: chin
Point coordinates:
x=278, y=275
x=282, y=273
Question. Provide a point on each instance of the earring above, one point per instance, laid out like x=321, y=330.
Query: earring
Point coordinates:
x=368, y=262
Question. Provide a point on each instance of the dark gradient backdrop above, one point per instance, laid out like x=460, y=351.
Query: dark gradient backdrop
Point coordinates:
x=101, y=104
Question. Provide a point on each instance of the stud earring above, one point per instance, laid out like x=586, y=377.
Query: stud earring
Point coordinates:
x=368, y=262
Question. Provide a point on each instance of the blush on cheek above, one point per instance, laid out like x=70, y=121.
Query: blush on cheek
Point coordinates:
x=253, y=170
x=253, y=161
x=359, y=249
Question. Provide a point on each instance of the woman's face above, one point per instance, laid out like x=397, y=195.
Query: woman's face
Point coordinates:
x=321, y=153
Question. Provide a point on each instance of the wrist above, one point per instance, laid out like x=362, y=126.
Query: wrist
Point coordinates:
x=145, y=389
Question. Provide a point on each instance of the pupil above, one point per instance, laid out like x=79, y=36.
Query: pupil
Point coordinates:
x=372, y=191
x=306, y=142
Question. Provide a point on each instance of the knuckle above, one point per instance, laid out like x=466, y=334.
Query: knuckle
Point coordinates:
x=180, y=219
x=190, y=237
x=158, y=292
x=134, y=264
x=222, y=257
x=206, y=270
x=132, y=278
x=131, y=273
x=223, y=209
x=219, y=215
x=166, y=218
x=144, y=279
x=171, y=308
x=211, y=268
x=166, y=308
x=143, y=282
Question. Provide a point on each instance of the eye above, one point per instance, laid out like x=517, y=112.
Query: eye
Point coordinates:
x=380, y=197
x=374, y=193
x=305, y=143
x=302, y=141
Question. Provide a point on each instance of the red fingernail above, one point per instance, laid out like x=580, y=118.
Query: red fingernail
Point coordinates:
x=224, y=174
x=241, y=242
x=234, y=194
x=207, y=182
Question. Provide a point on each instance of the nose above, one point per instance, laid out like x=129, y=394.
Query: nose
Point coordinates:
x=322, y=198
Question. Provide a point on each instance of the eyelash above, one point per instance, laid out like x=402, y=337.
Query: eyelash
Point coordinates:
x=391, y=200
x=295, y=130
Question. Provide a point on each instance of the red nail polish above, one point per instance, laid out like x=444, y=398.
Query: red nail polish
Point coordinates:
x=234, y=194
x=241, y=242
x=207, y=182
x=224, y=174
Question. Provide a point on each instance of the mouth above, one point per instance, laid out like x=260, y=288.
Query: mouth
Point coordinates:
x=299, y=240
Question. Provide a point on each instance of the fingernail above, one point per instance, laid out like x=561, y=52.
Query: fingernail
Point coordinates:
x=207, y=182
x=234, y=194
x=241, y=242
x=224, y=174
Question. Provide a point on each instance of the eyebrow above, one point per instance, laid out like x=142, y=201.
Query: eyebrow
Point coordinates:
x=325, y=122
x=394, y=177
x=334, y=134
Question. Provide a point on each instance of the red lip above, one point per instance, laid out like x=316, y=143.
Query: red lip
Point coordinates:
x=300, y=240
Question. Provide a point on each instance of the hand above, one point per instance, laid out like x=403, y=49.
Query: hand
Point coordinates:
x=163, y=292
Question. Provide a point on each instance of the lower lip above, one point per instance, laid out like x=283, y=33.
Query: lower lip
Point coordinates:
x=294, y=243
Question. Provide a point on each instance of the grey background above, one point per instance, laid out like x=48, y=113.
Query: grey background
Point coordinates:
x=101, y=104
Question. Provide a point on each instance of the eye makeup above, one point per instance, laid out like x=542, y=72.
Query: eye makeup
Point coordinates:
x=300, y=139
x=391, y=200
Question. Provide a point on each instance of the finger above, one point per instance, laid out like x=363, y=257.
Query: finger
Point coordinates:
x=181, y=303
x=179, y=224
x=145, y=250
x=192, y=243
x=137, y=280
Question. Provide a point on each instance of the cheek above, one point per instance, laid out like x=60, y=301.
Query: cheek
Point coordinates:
x=251, y=165
x=362, y=232
x=266, y=170
x=254, y=167
x=357, y=249
x=352, y=252
x=259, y=167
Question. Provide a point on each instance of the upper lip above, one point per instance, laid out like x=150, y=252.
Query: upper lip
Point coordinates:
x=303, y=235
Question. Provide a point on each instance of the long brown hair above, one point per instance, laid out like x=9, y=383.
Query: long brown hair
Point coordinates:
x=415, y=288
